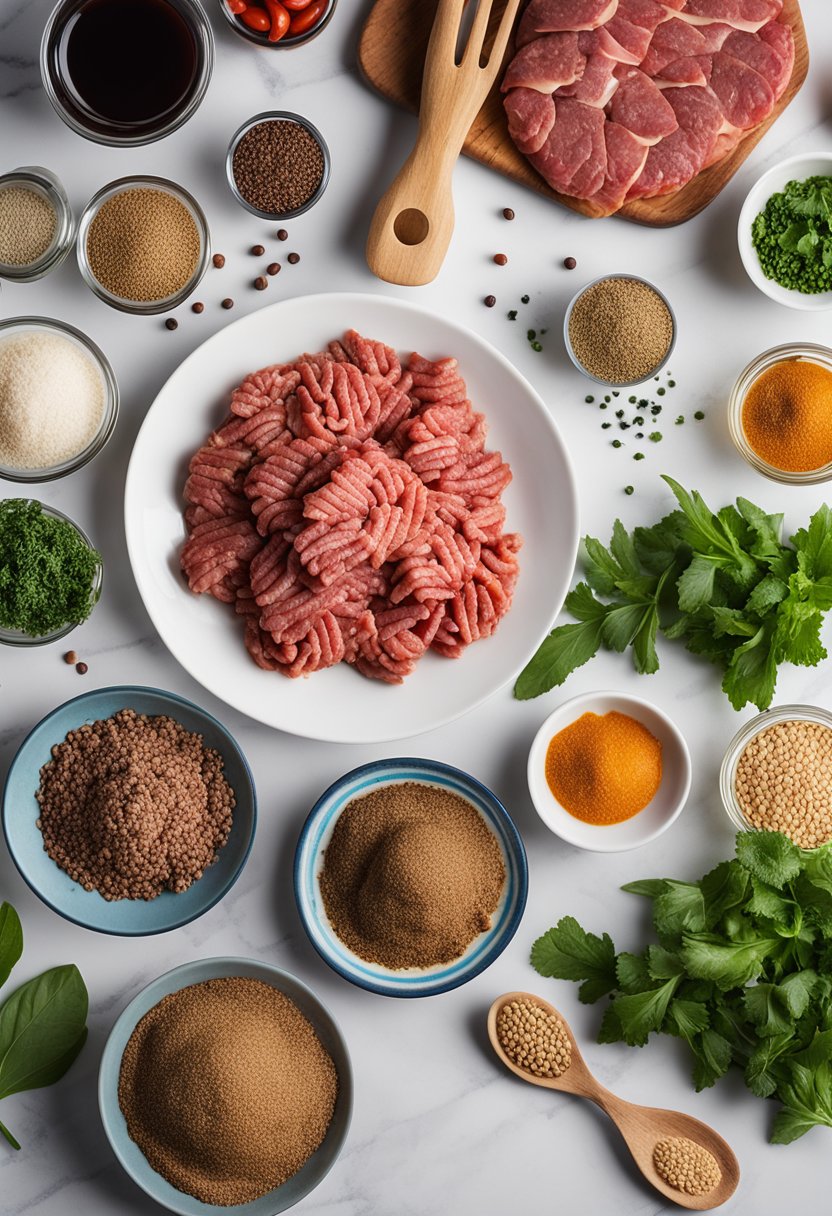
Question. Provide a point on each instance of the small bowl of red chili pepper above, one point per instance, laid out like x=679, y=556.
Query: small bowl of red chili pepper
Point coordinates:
x=278, y=23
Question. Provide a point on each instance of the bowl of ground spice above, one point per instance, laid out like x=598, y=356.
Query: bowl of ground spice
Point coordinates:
x=226, y=1084
x=777, y=775
x=143, y=244
x=780, y=413
x=619, y=330
x=278, y=165
x=410, y=877
x=608, y=772
x=36, y=224
x=129, y=810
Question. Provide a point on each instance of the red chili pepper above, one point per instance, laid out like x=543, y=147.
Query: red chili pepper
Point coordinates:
x=279, y=20
x=307, y=17
x=237, y=7
x=295, y=6
x=256, y=19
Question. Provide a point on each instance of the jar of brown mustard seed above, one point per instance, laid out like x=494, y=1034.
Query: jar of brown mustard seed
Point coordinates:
x=36, y=224
x=278, y=165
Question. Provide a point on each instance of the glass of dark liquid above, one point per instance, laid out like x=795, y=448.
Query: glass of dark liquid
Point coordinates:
x=126, y=72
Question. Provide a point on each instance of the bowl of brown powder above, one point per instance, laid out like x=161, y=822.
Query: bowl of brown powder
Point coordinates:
x=226, y=1083
x=619, y=330
x=278, y=165
x=410, y=877
x=129, y=811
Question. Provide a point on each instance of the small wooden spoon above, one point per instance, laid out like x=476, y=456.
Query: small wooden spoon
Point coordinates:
x=641, y=1126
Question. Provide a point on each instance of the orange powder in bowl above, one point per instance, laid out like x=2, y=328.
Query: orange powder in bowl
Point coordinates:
x=787, y=415
x=604, y=768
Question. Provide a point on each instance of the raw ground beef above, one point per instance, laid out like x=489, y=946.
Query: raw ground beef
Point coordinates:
x=623, y=99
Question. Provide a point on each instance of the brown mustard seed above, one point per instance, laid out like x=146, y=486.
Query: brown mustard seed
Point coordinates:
x=71, y=658
x=278, y=166
x=197, y=306
x=81, y=668
x=282, y=234
x=293, y=258
x=783, y=781
x=273, y=268
x=131, y=806
x=227, y=302
x=490, y=301
x=686, y=1165
x=171, y=323
x=508, y=214
x=534, y=1039
x=620, y=330
x=500, y=259
x=411, y=875
x=143, y=245
x=570, y=263
x=261, y=282
x=219, y=260
x=226, y=1089
x=257, y=251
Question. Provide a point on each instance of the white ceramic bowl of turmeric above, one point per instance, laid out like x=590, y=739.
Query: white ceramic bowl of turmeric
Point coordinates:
x=608, y=772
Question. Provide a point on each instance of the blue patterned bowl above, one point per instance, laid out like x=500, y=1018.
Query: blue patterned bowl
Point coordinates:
x=410, y=981
x=124, y=917
x=130, y=1156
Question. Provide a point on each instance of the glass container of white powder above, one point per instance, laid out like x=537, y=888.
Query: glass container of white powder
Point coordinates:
x=58, y=399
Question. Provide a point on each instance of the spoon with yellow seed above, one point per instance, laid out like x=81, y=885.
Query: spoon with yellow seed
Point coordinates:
x=681, y=1157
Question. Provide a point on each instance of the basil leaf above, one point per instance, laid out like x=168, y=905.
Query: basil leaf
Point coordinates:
x=41, y=1029
x=11, y=940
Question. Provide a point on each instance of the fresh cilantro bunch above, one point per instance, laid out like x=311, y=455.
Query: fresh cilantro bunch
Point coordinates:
x=742, y=970
x=793, y=235
x=722, y=583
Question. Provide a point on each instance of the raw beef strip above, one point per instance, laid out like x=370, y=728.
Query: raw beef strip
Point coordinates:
x=638, y=105
x=695, y=69
x=773, y=65
x=742, y=14
x=673, y=162
x=623, y=41
x=574, y=153
x=545, y=64
x=746, y=99
x=552, y=16
x=531, y=116
x=673, y=40
x=780, y=38
x=715, y=34
x=598, y=82
x=626, y=157
x=646, y=13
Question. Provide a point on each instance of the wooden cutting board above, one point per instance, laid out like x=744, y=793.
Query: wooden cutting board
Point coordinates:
x=392, y=53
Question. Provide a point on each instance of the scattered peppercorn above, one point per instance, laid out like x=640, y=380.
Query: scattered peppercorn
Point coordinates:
x=570, y=263
x=293, y=259
x=81, y=668
x=257, y=251
x=500, y=259
x=228, y=302
x=490, y=301
x=282, y=234
x=629, y=490
x=524, y=299
x=171, y=323
x=198, y=306
x=508, y=214
x=699, y=415
x=639, y=434
x=589, y=400
x=219, y=260
x=273, y=268
x=71, y=658
x=512, y=315
x=261, y=282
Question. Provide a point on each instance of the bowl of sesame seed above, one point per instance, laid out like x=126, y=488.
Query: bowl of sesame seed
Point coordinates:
x=777, y=775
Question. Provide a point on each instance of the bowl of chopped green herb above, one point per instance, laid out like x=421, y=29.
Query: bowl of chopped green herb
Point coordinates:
x=785, y=232
x=50, y=574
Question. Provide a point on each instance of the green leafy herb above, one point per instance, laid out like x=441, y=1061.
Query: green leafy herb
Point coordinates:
x=741, y=972
x=724, y=583
x=793, y=236
x=42, y=1023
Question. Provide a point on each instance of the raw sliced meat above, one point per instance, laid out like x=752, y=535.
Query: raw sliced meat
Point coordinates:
x=695, y=69
x=746, y=99
x=638, y=105
x=576, y=138
x=634, y=39
x=646, y=13
x=673, y=40
x=674, y=161
x=742, y=14
x=553, y=16
x=626, y=157
x=780, y=38
x=773, y=65
x=598, y=83
x=531, y=116
x=545, y=64
x=715, y=35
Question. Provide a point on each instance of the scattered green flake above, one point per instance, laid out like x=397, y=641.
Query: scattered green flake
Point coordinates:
x=589, y=399
x=699, y=415
x=680, y=421
x=536, y=346
x=655, y=436
x=616, y=443
x=531, y=335
x=638, y=456
x=659, y=392
x=605, y=426
x=512, y=315
x=629, y=489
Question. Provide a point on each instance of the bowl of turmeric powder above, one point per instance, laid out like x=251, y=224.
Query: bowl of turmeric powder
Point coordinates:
x=780, y=413
x=608, y=772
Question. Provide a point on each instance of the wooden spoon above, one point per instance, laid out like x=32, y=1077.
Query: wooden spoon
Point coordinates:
x=641, y=1126
x=414, y=222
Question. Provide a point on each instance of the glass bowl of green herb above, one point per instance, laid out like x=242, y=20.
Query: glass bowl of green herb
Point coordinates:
x=50, y=574
x=785, y=232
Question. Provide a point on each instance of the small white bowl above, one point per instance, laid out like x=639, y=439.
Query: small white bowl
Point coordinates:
x=656, y=817
x=796, y=168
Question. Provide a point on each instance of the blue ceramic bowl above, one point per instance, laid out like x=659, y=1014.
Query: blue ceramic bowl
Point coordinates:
x=123, y=917
x=410, y=981
x=130, y=1156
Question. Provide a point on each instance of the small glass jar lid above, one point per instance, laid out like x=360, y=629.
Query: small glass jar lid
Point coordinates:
x=38, y=226
x=254, y=184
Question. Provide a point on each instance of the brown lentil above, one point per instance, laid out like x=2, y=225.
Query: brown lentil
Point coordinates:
x=219, y=260
x=293, y=259
x=261, y=282
x=686, y=1165
x=228, y=302
x=534, y=1039
x=411, y=875
x=282, y=234
x=508, y=214
x=273, y=268
x=27, y=225
x=570, y=263
x=257, y=251
x=620, y=330
x=131, y=806
x=81, y=668
x=198, y=306
x=171, y=323
x=500, y=259
x=226, y=1089
x=71, y=658
x=143, y=245
x=278, y=166
x=783, y=781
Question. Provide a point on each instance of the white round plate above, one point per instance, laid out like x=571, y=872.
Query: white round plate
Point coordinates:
x=338, y=705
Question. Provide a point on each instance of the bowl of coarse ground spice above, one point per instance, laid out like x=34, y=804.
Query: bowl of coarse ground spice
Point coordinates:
x=278, y=165
x=410, y=877
x=143, y=244
x=129, y=810
x=619, y=330
x=226, y=1085
x=777, y=775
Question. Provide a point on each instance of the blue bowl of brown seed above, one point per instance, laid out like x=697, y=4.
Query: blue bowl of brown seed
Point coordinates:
x=129, y=810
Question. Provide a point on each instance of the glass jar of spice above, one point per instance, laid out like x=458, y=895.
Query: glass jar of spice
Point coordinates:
x=36, y=224
x=278, y=165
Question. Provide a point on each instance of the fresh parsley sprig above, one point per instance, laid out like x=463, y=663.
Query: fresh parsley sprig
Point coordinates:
x=722, y=583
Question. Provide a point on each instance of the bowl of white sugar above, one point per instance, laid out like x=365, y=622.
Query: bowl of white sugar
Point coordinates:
x=58, y=399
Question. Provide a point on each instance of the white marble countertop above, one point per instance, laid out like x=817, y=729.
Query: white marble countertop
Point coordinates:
x=438, y=1127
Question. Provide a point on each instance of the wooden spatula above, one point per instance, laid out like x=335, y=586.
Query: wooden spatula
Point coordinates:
x=414, y=221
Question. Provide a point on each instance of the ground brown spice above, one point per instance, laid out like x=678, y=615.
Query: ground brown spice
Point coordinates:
x=27, y=225
x=620, y=330
x=143, y=245
x=226, y=1089
x=278, y=165
x=411, y=875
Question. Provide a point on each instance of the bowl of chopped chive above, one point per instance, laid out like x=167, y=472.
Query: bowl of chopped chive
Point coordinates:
x=50, y=574
x=784, y=232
